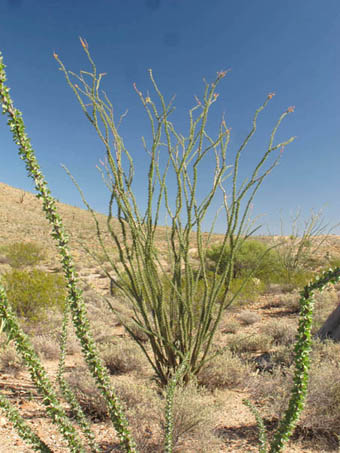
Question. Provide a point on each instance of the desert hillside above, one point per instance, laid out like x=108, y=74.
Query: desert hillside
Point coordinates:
x=257, y=335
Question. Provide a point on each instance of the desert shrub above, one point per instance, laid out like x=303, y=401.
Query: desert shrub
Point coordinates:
x=325, y=351
x=10, y=362
x=249, y=293
x=249, y=317
x=325, y=302
x=248, y=257
x=137, y=331
x=290, y=302
x=123, y=357
x=21, y=254
x=281, y=332
x=282, y=356
x=333, y=262
x=264, y=387
x=299, y=251
x=194, y=419
x=229, y=326
x=144, y=410
x=33, y=293
x=224, y=371
x=46, y=347
x=4, y=260
x=322, y=409
x=89, y=397
x=249, y=343
x=294, y=279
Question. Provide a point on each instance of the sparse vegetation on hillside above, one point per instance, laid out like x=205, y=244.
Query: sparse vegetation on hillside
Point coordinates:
x=33, y=293
x=23, y=254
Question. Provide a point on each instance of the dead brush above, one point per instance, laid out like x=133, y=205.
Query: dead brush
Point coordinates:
x=282, y=332
x=89, y=397
x=224, y=371
x=123, y=357
x=46, y=347
x=194, y=420
x=10, y=362
x=248, y=317
x=244, y=343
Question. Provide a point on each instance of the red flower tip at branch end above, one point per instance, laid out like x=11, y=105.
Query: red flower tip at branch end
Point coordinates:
x=216, y=95
x=136, y=89
x=282, y=149
x=55, y=55
x=222, y=74
x=83, y=43
x=291, y=109
x=270, y=95
x=197, y=100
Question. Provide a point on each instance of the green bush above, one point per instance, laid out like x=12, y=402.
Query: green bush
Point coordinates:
x=248, y=257
x=32, y=293
x=294, y=279
x=21, y=254
x=250, y=291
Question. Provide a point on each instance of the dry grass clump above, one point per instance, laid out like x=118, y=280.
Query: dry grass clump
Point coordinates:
x=102, y=332
x=123, y=357
x=10, y=363
x=97, y=307
x=249, y=343
x=138, y=332
x=322, y=410
x=87, y=394
x=46, y=347
x=325, y=351
x=4, y=260
x=194, y=413
x=283, y=356
x=290, y=301
x=274, y=289
x=325, y=302
x=224, y=371
x=282, y=332
x=46, y=326
x=248, y=317
x=230, y=326
x=272, y=390
x=144, y=410
x=194, y=416
x=73, y=344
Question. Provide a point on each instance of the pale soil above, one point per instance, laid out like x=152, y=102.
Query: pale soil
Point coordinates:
x=234, y=422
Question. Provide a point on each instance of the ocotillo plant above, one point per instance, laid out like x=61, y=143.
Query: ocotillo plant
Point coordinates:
x=179, y=310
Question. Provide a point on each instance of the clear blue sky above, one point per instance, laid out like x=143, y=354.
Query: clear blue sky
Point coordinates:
x=290, y=48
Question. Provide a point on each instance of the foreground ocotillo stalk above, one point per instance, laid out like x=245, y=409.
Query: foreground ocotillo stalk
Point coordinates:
x=302, y=364
x=302, y=359
x=42, y=382
x=75, y=300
